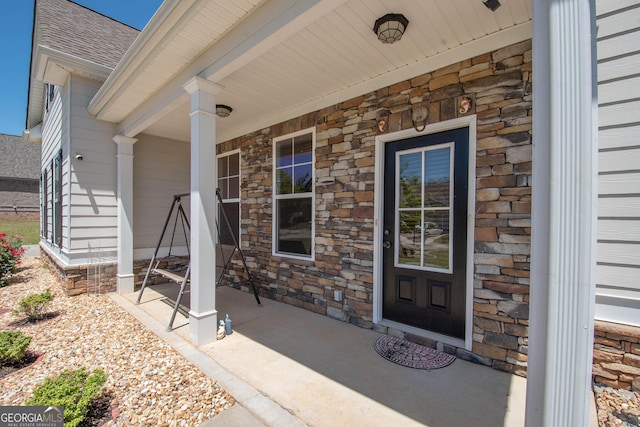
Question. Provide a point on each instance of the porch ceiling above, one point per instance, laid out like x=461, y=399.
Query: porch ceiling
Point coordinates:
x=277, y=60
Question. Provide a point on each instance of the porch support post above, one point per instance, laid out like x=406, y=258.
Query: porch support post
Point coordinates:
x=125, y=279
x=203, y=316
x=564, y=213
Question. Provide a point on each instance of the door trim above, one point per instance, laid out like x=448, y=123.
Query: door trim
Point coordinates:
x=381, y=140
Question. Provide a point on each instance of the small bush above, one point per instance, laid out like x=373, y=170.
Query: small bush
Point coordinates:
x=13, y=347
x=71, y=389
x=10, y=253
x=35, y=306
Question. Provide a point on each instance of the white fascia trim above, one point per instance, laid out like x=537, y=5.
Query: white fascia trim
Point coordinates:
x=472, y=49
x=71, y=63
x=43, y=56
x=167, y=20
x=260, y=31
x=378, y=224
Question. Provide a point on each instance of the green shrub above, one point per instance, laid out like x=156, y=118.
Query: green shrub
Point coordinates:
x=13, y=347
x=35, y=306
x=71, y=389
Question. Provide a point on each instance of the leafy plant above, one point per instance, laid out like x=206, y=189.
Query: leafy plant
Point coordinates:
x=72, y=389
x=13, y=347
x=35, y=306
x=11, y=251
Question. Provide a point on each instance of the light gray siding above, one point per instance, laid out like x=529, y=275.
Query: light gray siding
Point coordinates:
x=618, y=266
x=161, y=169
x=92, y=182
x=52, y=143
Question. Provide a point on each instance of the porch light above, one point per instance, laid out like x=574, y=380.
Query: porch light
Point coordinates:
x=492, y=4
x=223, y=110
x=390, y=27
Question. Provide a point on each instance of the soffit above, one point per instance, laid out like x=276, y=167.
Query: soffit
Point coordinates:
x=331, y=58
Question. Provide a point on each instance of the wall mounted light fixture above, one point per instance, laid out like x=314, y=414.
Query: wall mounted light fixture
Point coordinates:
x=390, y=27
x=223, y=110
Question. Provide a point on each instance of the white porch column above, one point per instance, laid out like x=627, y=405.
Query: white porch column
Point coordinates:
x=125, y=280
x=203, y=315
x=564, y=213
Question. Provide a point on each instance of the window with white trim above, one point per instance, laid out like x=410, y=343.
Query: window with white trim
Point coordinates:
x=229, y=185
x=294, y=215
x=50, y=94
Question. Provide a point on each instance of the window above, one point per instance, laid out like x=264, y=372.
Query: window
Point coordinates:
x=44, y=212
x=229, y=185
x=293, y=183
x=50, y=93
x=57, y=199
x=425, y=197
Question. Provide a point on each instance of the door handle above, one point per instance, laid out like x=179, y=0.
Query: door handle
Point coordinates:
x=386, y=244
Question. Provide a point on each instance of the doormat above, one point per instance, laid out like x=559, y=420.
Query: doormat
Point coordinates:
x=411, y=355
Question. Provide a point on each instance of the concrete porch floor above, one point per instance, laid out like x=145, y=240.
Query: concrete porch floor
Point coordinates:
x=287, y=366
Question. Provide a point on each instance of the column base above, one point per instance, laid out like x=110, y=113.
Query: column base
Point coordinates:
x=203, y=327
x=126, y=283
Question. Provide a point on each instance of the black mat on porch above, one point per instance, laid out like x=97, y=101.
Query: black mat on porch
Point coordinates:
x=411, y=355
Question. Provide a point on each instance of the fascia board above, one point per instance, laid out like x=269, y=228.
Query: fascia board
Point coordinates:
x=259, y=31
x=167, y=20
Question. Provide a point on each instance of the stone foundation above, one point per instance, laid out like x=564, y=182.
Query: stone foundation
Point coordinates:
x=616, y=355
x=103, y=277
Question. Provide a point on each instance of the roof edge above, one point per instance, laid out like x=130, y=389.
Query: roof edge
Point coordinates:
x=161, y=24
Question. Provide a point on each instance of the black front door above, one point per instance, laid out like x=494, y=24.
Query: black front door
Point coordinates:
x=425, y=231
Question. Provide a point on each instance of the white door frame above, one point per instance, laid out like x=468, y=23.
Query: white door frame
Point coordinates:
x=381, y=140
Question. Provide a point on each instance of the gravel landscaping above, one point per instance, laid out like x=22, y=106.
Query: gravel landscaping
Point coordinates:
x=148, y=383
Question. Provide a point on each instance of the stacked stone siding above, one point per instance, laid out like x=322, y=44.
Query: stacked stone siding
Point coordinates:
x=102, y=278
x=616, y=355
x=499, y=87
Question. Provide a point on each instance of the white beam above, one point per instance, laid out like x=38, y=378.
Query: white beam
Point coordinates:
x=564, y=213
x=125, y=278
x=203, y=316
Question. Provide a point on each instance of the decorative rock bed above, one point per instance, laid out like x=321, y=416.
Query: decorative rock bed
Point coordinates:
x=148, y=382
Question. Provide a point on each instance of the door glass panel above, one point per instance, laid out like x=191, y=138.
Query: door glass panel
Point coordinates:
x=424, y=188
x=410, y=166
x=436, y=239
x=409, y=249
x=437, y=177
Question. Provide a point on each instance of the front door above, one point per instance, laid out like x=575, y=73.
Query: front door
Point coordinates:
x=425, y=231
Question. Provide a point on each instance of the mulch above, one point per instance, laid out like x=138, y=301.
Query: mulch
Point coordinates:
x=29, y=359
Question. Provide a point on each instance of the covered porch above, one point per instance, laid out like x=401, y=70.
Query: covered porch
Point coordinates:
x=282, y=62
x=289, y=366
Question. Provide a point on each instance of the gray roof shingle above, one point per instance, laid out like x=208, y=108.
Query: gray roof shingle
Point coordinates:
x=19, y=158
x=76, y=30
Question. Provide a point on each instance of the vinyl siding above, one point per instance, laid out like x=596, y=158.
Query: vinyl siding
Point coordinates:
x=92, y=182
x=618, y=259
x=161, y=169
x=52, y=142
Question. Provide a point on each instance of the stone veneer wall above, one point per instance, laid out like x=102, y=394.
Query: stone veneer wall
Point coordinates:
x=75, y=277
x=499, y=85
x=616, y=355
